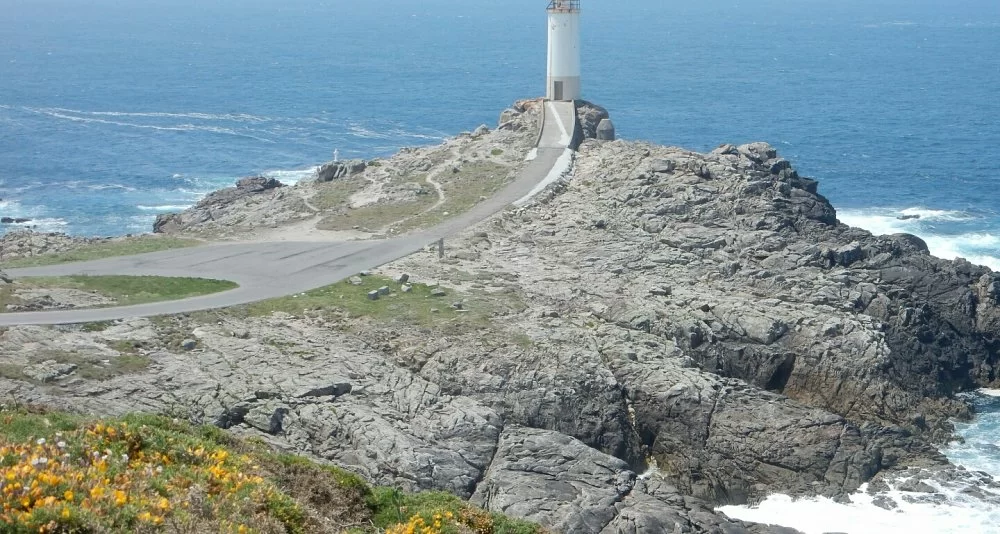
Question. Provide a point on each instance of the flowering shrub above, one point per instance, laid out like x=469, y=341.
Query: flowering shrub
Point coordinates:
x=127, y=477
x=466, y=520
x=439, y=513
x=62, y=474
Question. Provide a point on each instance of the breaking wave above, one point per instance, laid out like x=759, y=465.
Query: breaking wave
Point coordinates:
x=291, y=177
x=948, y=234
x=965, y=502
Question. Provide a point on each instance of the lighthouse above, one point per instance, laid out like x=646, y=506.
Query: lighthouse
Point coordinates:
x=564, y=50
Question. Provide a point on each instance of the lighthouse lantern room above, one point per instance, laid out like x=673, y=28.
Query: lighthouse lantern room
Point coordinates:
x=564, y=50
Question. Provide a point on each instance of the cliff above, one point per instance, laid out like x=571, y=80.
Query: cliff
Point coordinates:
x=700, y=318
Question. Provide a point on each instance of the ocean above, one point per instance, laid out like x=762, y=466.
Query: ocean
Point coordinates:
x=112, y=112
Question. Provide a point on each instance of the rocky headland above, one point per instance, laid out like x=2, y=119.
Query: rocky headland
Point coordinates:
x=661, y=333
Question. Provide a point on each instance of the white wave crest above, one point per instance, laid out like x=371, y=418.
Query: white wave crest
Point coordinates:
x=44, y=224
x=291, y=177
x=105, y=187
x=958, y=514
x=979, y=448
x=230, y=117
x=55, y=113
x=357, y=130
x=979, y=248
x=925, y=214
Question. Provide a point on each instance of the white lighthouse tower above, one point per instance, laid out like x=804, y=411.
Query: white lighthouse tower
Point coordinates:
x=564, y=50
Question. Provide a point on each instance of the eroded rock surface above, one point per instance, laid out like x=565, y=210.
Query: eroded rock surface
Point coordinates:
x=699, y=318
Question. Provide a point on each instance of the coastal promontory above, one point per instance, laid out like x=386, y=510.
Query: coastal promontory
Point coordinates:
x=659, y=333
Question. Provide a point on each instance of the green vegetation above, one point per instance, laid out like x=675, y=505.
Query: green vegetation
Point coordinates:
x=124, y=247
x=88, y=366
x=336, y=194
x=97, y=326
x=376, y=216
x=125, y=290
x=497, y=152
x=415, y=307
x=147, y=474
x=346, y=306
x=462, y=191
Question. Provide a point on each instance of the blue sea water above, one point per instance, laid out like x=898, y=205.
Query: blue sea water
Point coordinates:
x=112, y=111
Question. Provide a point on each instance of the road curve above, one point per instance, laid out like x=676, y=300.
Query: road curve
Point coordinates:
x=276, y=269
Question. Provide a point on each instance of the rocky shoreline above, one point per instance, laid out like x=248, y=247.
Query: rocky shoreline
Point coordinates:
x=660, y=334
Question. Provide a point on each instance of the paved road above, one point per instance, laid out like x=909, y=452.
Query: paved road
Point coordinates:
x=275, y=269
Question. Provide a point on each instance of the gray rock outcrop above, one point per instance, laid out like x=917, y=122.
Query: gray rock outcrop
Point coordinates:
x=338, y=170
x=589, y=116
x=221, y=204
x=702, y=319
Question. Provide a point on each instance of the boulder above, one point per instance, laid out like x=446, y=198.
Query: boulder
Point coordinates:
x=338, y=170
x=49, y=371
x=590, y=116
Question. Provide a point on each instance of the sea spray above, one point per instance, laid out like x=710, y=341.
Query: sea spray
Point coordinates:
x=954, y=502
x=948, y=234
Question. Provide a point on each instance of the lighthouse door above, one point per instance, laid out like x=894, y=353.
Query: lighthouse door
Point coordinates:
x=557, y=92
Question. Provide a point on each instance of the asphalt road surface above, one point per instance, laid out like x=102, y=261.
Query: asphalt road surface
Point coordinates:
x=275, y=269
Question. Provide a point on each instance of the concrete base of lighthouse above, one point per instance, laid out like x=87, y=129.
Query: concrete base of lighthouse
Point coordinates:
x=563, y=88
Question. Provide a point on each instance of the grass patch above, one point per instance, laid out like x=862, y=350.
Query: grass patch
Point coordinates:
x=86, y=366
x=145, y=473
x=336, y=194
x=379, y=215
x=416, y=307
x=462, y=190
x=125, y=290
x=124, y=247
x=97, y=326
x=402, y=513
x=497, y=152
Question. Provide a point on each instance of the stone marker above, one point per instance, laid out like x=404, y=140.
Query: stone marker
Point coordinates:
x=384, y=290
x=403, y=278
x=373, y=295
x=406, y=288
x=606, y=130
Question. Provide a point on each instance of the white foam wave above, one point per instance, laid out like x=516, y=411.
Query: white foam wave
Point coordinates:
x=105, y=187
x=165, y=207
x=292, y=177
x=45, y=224
x=958, y=514
x=935, y=215
x=979, y=448
x=231, y=117
x=965, y=246
x=358, y=130
x=53, y=112
x=979, y=248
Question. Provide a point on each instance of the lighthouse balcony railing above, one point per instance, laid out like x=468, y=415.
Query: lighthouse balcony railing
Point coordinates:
x=564, y=6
